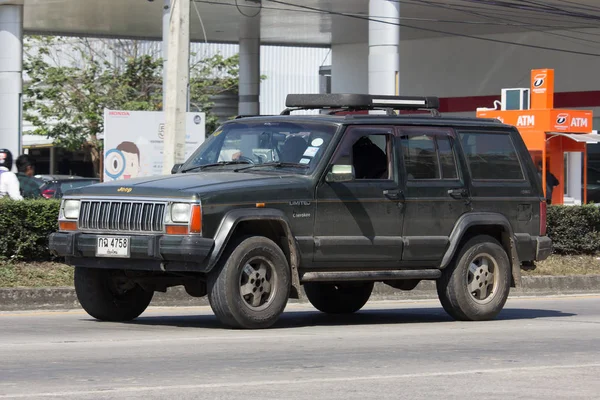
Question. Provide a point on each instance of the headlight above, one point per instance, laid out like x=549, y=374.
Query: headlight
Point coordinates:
x=71, y=209
x=180, y=212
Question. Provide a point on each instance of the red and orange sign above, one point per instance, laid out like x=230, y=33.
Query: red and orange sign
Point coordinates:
x=542, y=89
x=567, y=121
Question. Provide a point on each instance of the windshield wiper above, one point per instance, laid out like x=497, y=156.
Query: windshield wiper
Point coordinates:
x=277, y=164
x=220, y=163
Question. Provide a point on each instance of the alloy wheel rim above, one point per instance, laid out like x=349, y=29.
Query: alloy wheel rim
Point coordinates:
x=258, y=283
x=482, y=278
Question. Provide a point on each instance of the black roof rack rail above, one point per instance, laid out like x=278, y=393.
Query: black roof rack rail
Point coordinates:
x=359, y=102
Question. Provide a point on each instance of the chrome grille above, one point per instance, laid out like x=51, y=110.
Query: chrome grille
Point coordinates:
x=132, y=216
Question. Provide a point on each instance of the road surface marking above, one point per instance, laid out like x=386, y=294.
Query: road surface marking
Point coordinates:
x=227, y=385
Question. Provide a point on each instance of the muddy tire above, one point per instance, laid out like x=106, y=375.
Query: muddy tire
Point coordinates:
x=250, y=286
x=108, y=295
x=332, y=298
x=475, y=286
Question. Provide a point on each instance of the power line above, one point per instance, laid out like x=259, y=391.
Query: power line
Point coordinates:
x=529, y=5
x=504, y=12
x=439, y=31
x=529, y=26
x=450, y=21
x=581, y=6
x=246, y=15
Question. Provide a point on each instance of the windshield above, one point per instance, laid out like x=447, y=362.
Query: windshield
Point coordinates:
x=298, y=147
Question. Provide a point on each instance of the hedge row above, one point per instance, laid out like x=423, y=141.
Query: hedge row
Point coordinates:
x=574, y=230
x=24, y=229
x=25, y=226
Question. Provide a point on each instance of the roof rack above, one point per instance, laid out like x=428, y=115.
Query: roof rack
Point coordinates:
x=359, y=102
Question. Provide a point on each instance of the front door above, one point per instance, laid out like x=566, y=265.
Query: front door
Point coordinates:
x=361, y=220
x=436, y=193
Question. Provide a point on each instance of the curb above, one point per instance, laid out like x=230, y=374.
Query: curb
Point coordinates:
x=64, y=298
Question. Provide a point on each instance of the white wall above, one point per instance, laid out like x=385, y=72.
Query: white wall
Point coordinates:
x=456, y=66
x=452, y=66
x=288, y=69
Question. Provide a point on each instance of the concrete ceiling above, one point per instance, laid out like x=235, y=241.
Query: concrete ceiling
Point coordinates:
x=291, y=25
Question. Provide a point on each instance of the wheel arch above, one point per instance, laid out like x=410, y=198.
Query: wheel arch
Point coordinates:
x=271, y=223
x=492, y=224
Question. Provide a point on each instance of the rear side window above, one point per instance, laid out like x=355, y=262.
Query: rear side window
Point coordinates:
x=428, y=157
x=491, y=156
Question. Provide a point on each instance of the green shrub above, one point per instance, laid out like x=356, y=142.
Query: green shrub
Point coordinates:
x=24, y=229
x=25, y=226
x=574, y=229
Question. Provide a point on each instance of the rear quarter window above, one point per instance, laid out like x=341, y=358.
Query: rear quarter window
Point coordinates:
x=491, y=156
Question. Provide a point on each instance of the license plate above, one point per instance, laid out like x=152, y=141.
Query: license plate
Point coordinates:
x=112, y=246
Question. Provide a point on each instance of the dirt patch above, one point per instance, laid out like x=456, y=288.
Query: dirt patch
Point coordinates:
x=35, y=274
x=567, y=265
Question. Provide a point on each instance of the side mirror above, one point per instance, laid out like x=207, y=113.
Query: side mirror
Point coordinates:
x=340, y=173
x=176, y=168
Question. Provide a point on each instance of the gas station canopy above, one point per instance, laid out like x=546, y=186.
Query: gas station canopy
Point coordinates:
x=289, y=22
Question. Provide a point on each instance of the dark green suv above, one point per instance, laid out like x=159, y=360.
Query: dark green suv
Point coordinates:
x=330, y=202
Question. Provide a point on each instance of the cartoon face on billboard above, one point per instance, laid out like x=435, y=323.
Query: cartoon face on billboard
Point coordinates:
x=123, y=162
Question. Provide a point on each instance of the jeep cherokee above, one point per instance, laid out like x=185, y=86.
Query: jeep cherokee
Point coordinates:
x=330, y=202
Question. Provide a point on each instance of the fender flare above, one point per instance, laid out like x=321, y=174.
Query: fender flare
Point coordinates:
x=233, y=218
x=470, y=220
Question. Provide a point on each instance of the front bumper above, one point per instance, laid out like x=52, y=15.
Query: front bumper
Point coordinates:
x=147, y=252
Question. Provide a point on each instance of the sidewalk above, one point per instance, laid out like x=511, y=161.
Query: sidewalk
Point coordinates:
x=21, y=299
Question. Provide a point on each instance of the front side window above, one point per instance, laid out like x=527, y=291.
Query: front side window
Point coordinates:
x=368, y=150
x=296, y=146
x=428, y=156
x=491, y=156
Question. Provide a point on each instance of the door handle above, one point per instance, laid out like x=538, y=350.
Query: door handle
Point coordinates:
x=393, y=194
x=458, y=193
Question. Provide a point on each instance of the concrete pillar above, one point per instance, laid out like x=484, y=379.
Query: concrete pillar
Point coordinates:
x=350, y=68
x=165, y=46
x=574, y=176
x=249, y=74
x=178, y=70
x=384, y=41
x=11, y=78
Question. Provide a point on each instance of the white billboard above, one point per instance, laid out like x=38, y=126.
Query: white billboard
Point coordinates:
x=133, y=142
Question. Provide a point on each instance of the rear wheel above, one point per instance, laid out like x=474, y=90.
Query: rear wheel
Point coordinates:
x=475, y=286
x=109, y=295
x=251, y=285
x=343, y=298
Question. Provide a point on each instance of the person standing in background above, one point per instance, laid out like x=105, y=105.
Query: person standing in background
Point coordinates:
x=9, y=183
x=30, y=189
x=551, y=182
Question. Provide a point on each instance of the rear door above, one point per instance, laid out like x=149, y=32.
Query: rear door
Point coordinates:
x=500, y=183
x=436, y=194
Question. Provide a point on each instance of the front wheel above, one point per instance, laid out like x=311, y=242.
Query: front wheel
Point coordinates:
x=475, y=286
x=109, y=295
x=251, y=286
x=344, y=298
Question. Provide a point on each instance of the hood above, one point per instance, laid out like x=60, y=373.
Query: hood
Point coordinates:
x=186, y=185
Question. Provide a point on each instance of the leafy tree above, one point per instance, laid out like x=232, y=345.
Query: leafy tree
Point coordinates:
x=70, y=81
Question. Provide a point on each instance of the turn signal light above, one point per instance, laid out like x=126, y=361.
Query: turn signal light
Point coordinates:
x=177, y=230
x=67, y=225
x=196, y=219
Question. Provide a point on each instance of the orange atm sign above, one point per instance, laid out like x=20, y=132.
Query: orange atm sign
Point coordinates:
x=570, y=121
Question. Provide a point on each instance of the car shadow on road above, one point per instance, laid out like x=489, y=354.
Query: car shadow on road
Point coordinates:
x=298, y=319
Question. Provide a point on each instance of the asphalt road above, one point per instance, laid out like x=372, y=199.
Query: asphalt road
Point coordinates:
x=539, y=348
